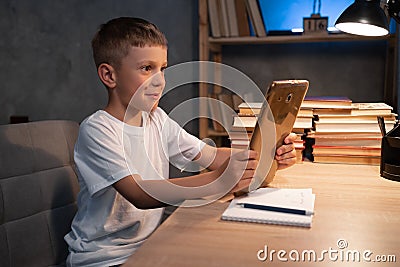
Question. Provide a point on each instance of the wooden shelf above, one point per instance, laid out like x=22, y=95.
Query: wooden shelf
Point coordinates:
x=210, y=48
x=337, y=37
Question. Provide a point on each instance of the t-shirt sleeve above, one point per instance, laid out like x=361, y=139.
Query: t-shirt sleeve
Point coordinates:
x=99, y=157
x=183, y=147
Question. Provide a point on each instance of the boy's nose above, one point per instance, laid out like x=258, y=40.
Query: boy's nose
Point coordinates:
x=158, y=79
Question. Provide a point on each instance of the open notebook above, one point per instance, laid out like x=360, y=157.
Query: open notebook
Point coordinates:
x=286, y=199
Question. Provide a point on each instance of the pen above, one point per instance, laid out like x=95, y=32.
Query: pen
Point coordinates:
x=276, y=209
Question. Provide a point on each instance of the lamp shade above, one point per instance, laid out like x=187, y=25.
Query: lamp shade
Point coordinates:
x=364, y=17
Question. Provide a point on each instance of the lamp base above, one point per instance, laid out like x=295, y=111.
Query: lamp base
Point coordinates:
x=391, y=172
x=390, y=151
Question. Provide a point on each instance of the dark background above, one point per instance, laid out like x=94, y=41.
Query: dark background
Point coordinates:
x=47, y=71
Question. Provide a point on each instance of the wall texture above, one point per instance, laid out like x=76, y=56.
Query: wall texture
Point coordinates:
x=47, y=71
x=46, y=65
x=352, y=69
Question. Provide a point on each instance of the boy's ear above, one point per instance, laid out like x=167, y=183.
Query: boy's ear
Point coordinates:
x=106, y=74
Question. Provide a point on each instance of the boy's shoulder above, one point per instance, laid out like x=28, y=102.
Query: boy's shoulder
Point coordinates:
x=100, y=121
x=103, y=120
x=98, y=117
x=160, y=113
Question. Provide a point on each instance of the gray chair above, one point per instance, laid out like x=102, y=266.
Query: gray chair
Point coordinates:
x=38, y=188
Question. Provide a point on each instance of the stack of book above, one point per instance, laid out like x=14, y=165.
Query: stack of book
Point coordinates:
x=233, y=18
x=244, y=124
x=304, y=120
x=327, y=104
x=347, y=132
x=299, y=145
x=222, y=107
x=249, y=108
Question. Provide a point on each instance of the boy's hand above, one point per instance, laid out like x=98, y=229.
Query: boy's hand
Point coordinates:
x=239, y=167
x=286, y=154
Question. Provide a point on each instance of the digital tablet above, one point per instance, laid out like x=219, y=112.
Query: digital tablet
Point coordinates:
x=274, y=123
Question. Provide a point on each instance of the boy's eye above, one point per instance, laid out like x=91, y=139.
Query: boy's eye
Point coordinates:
x=163, y=68
x=146, y=68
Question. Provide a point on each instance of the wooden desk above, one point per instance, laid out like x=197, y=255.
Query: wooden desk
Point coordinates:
x=353, y=203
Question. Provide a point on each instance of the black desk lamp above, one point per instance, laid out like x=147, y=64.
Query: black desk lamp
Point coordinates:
x=366, y=17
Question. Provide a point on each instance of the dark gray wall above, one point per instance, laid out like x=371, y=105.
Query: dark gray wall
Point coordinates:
x=46, y=65
x=352, y=69
x=47, y=71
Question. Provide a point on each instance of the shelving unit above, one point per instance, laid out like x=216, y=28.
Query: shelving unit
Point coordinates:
x=211, y=49
x=336, y=37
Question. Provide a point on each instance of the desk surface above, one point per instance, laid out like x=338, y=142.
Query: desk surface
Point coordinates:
x=353, y=206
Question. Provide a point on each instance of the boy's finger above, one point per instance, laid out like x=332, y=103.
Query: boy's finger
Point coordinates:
x=248, y=174
x=245, y=155
x=290, y=138
x=253, y=154
x=252, y=164
x=285, y=149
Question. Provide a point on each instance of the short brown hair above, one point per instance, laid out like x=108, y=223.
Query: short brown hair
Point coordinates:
x=114, y=39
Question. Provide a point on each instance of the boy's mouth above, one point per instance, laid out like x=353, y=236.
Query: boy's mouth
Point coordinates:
x=154, y=96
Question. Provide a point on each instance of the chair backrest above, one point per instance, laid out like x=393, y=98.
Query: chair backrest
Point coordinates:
x=38, y=188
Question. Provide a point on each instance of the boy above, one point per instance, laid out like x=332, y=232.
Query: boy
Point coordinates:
x=122, y=152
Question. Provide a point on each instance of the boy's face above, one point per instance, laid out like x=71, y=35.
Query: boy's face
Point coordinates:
x=141, y=77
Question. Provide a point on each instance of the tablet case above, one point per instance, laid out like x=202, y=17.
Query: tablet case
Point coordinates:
x=275, y=122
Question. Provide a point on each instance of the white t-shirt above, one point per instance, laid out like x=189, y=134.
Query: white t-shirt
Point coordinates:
x=107, y=228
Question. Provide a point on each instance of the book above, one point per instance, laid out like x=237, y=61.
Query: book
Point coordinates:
x=303, y=122
x=347, y=159
x=255, y=18
x=248, y=122
x=306, y=112
x=328, y=135
x=280, y=198
x=299, y=146
x=371, y=109
x=250, y=107
x=241, y=135
x=299, y=155
x=377, y=109
x=347, y=150
x=351, y=126
x=331, y=102
x=332, y=111
x=352, y=117
x=232, y=18
x=350, y=140
x=214, y=18
x=240, y=143
x=242, y=18
x=223, y=18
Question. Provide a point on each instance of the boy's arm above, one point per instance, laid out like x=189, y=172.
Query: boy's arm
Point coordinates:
x=141, y=192
x=212, y=158
x=232, y=175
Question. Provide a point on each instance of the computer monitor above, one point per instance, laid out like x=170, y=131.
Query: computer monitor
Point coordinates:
x=285, y=15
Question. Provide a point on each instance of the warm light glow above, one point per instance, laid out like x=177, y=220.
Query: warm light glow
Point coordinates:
x=361, y=29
